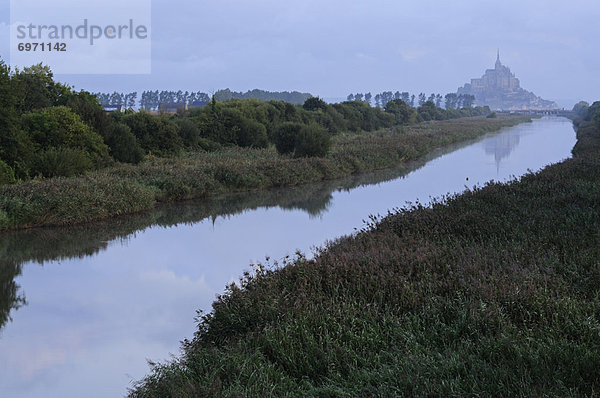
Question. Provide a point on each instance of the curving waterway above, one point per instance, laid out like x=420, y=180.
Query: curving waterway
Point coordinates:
x=82, y=309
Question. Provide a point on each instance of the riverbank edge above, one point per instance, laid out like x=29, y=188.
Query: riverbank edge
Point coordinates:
x=127, y=189
x=491, y=292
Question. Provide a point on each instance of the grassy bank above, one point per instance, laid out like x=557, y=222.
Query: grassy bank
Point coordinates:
x=494, y=292
x=129, y=188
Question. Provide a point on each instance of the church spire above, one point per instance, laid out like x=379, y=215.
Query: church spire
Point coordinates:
x=498, y=64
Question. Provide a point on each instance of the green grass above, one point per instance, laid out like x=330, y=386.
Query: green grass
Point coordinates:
x=495, y=292
x=130, y=188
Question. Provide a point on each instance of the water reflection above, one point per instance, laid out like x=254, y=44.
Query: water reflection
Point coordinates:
x=41, y=245
x=10, y=297
x=502, y=145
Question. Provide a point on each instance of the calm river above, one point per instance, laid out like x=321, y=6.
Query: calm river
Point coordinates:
x=102, y=299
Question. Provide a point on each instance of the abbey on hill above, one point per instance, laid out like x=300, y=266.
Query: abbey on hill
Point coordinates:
x=500, y=90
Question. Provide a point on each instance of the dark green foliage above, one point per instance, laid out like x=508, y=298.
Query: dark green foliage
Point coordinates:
x=285, y=136
x=314, y=104
x=59, y=126
x=491, y=115
x=55, y=132
x=35, y=89
x=403, y=113
x=155, y=134
x=124, y=146
x=489, y=293
x=233, y=123
x=361, y=116
x=40, y=118
x=7, y=174
x=230, y=126
x=61, y=161
x=302, y=140
x=312, y=141
x=89, y=110
x=189, y=133
x=428, y=111
x=251, y=134
x=16, y=147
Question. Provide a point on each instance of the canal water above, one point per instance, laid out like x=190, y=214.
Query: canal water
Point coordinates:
x=82, y=309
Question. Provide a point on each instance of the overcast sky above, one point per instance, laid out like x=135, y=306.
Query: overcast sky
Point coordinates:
x=333, y=47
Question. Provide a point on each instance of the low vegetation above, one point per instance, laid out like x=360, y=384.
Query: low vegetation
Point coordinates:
x=64, y=160
x=493, y=292
x=126, y=188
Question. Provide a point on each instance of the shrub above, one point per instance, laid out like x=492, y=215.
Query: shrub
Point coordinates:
x=312, y=140
x=284, y=137
x=7, y=174
x=251, y=133
x=491, y=115
x=189, y=132
x=157, y=134
x=403, y=114
x=61, y=127
x=62, y=161
x=124, y=146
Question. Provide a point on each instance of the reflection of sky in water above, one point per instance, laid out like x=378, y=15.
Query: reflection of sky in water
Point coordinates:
x=91, y=323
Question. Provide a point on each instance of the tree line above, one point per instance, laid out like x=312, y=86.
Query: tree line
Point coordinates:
x=153, y=100
x=47, y=129
x=451, y=100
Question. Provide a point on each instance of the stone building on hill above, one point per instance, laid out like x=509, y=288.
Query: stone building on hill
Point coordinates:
x=500, y=90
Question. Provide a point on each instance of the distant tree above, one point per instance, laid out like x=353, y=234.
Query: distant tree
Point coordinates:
x=438, y=100
x=350, y=97
x=397, y=95
x=179, y=98
x=412, y=100
x=116, y=99
x=451, y=100
x=358, y=97
x=422, y=98
x=467, y=100
x=405, y=96
x=378, y=100
x=198, y=99
x=386, y=97
x=131, y=100
x=368, y=97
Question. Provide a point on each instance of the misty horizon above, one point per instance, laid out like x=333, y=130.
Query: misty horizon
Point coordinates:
x=334, y=48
